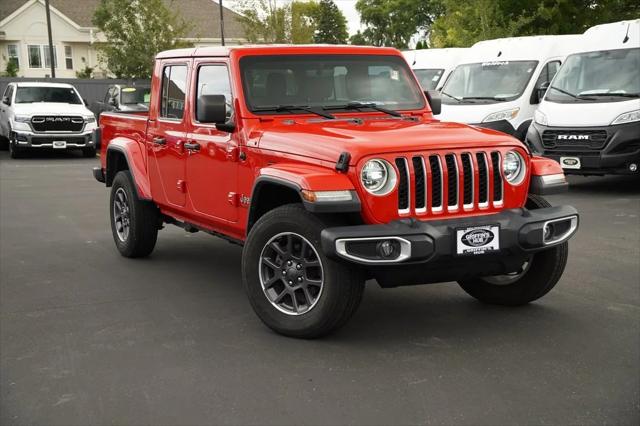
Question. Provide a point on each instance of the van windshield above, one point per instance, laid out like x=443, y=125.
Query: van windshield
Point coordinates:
x=67, y=95
x=283, y=83
x=602, y=76
x=429, y=78
x=488, y=82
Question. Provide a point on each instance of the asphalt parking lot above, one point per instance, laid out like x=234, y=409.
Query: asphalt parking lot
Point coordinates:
x=89, y=337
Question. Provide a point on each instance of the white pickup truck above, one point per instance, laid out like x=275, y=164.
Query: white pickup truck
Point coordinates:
x=40, y=116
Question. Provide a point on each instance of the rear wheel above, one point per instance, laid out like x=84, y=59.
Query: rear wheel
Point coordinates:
x=134, y=223
x=535, y=278
x=292, y=286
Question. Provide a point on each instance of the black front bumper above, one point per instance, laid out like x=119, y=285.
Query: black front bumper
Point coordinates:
x=614, y=155
x=432, y=247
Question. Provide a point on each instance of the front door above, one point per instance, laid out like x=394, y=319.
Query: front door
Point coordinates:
x=166, y=136
x=212, y=162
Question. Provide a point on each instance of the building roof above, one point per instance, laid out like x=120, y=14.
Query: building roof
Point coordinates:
x=203, y=15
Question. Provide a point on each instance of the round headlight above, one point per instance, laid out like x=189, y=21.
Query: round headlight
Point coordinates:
x=378, y=177
x=513, y=167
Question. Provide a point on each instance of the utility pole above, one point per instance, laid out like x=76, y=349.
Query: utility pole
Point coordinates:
x=51, y=57
x=221, y=23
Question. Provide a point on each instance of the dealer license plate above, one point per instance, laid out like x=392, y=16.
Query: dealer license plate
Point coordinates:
x=59, y=144
x=570, y=162
x=478, y=239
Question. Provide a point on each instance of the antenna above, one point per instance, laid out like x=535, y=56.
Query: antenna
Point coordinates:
x=626, y=37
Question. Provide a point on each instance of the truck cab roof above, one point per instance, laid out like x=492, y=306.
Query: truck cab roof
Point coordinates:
x=275, y=49
x=43, y=84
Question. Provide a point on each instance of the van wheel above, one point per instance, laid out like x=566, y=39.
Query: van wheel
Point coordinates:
x=89, y=152
x=536, y=277
x=134, y=223
x=292, y=286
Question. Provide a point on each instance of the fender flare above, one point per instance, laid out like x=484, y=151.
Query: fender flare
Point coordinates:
x=134, y=158
x=303, y=177
x=547, y=177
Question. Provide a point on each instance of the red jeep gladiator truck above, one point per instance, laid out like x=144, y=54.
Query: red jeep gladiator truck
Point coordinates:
x=325, y=163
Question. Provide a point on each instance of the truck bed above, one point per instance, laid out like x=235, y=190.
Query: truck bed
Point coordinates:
x=132, y=126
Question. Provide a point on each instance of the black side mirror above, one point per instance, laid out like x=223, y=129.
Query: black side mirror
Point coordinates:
x=213, y=109
x=435, y=101
x=6, y=100
x=540, y=92
x=112, y=102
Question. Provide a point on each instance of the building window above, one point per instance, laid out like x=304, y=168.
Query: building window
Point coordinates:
x=12, y=50
x=35, y=57
x=37, y=53
x=68, y=57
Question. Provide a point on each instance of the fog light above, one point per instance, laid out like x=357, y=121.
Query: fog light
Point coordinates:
x=633, y=167
x=388, y=249
x=548, y=232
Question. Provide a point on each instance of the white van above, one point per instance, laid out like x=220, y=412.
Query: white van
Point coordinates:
x=589, y=120
x=433, y=66
x=497, y=82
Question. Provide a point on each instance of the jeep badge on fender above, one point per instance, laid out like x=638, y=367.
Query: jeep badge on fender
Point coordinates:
x=325, y=163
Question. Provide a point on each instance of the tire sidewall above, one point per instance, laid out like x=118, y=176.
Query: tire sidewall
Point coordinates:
x=123, y=180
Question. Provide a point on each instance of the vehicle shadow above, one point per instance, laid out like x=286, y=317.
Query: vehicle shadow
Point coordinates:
x=620, y=185
x=45, y=155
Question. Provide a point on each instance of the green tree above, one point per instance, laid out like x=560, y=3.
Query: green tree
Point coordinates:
x=359, y=39
x=11, y=70
x=136, y=30
x=464, y=23
x=394, y=22
x=264, y=21
x=331, y=24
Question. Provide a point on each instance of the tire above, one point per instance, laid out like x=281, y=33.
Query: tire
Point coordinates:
x=321, y=309
x=4, y=143
x=138, y=238
x=15, y=152
x=89, y=152
x=537, y=278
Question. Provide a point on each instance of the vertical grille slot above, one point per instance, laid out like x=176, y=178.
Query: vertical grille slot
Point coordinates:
x=483, y=176
x=403, y=186
x=467, y=170
x=452, y=181
x=436, y=182
x=497, y=177
x=420, y=192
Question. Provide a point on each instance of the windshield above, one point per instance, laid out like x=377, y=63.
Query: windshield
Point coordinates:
x=135, y=95
x=488, y=82
x=26, y=95
x=603, y=76
x=328, y=81
x=429, y=78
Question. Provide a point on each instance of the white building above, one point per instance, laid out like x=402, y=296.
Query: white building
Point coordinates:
x=24, y=40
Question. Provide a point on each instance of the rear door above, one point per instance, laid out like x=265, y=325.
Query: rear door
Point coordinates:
x=212, y=163
x=167, y=134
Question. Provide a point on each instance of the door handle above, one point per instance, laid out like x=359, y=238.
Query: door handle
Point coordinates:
x=192, y=146
x=159, y=141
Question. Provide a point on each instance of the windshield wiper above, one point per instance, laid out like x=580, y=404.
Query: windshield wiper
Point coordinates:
x=285, y=108
x=622, y=95
x=573, y=95
x=483, y=98
x=451, y=96
x=360, y=105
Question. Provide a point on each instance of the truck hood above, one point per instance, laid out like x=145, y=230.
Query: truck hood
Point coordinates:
x=327, y=139
x=51, y=108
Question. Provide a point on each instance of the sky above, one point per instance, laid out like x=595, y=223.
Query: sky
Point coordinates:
x=348, y=7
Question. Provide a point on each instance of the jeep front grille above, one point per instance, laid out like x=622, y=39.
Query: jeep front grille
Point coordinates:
x=431, y=183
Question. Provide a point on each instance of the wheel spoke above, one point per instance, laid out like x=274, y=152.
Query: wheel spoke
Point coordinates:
x=307, y=295
x=294, y=300
x=312, y=264
x=272, y=281
x=276, y=247
x=317, y=283
x=280, y=296
x=271, y=264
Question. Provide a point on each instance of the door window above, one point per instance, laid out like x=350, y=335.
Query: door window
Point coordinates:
x=545, y=77
x=174, y=85
x=8, y=93
x=214, y=80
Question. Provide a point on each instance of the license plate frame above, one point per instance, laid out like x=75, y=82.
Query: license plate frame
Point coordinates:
x=566, y=163
x=477, y=240
x=59, y=144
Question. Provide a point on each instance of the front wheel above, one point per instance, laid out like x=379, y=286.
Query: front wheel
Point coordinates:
x=134, y=223
x=292, y=286
x=14, y=151
x=536, y=277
